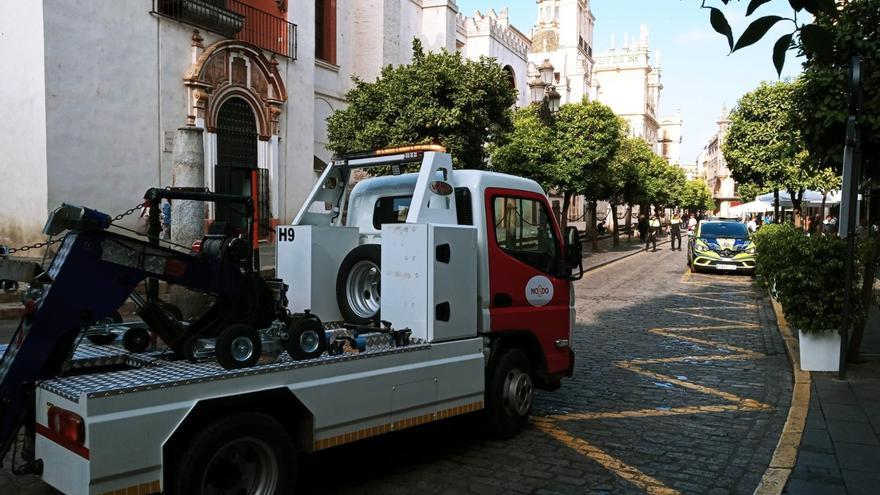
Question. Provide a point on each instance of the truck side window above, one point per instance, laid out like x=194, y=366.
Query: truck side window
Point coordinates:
x=523, y=230
x=391, y=209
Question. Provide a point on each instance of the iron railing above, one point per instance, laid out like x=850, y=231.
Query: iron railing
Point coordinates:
x=234, y=19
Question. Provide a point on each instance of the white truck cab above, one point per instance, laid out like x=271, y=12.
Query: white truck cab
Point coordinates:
x=472, y=262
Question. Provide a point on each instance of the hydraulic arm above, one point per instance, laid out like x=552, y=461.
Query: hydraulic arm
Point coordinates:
x=96, y=270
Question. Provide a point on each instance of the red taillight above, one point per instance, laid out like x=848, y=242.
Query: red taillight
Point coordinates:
x=197, y=247
x=68, y=425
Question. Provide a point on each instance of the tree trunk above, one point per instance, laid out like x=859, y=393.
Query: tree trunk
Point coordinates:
x=594, y=237
x=616, y=236
x=776, y=205
x=855, y=342
x=566, y=203
x=628, y=223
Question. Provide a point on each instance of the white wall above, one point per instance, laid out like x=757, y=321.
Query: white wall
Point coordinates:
x=113, y=87
x=22, y=128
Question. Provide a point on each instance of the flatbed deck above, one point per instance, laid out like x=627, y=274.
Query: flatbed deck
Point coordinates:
x=128, y=372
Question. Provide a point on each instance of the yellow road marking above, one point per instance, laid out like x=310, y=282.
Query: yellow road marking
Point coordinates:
x=715, y=299
x=631, y=474
x=649, y=413
x=683, y=312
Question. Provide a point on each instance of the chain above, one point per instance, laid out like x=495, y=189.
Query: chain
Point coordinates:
x=128, y=212
x=34, y=246
x=51, y=241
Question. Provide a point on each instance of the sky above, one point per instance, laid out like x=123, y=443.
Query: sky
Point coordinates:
x=698, y=75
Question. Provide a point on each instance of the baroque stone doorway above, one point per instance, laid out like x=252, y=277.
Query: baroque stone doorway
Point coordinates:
x=236, y=158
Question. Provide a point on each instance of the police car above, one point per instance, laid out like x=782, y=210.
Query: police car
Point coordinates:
x=721, y=245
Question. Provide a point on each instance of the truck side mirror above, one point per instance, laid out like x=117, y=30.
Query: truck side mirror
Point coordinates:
x=573, y=252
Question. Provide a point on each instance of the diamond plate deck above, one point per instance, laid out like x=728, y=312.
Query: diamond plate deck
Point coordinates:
x=153, y=371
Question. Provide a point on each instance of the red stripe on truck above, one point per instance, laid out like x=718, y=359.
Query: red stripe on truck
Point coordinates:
x=80, y=450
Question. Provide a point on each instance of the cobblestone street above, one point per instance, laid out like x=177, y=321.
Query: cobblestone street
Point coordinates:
x=681, y=386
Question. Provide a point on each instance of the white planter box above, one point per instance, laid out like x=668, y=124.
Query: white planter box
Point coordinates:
x=820, y=351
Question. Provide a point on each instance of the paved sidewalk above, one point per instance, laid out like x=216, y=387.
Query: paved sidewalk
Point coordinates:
x=840, y=449
x=609, y=254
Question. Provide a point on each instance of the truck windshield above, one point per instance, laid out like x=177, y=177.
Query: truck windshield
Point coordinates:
x=724, y=230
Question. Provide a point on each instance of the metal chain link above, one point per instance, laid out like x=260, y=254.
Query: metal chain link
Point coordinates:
x=128, y=212
x=49, y=242
x=33, y=246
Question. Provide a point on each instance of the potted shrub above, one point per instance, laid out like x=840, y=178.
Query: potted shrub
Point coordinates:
x=806, y=274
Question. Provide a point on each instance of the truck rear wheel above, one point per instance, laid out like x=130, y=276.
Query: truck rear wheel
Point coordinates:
x=238, y=346
x=246, y=453
x=509, y=393
x=357, y=284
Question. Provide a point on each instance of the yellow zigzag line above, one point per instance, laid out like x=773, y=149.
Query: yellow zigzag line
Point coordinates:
x=632, y=474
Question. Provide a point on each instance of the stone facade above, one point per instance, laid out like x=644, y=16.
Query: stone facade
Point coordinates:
x=96, y=126
x=563, y=34
x=712, y=161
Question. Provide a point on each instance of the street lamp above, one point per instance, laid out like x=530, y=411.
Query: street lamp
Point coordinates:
x=537, y=88
x=543, y=90
x=546, y=70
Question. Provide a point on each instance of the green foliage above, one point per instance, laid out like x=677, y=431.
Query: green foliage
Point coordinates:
x=764, y=145
x=695, y=196
x=822, y=95
x=748, y=191
x=588, y=135
x=438, y=98
x=805, y=274
x=663, y=183
x=573, y=154
x=527, y=151
x=630, y=168
x=814, y=38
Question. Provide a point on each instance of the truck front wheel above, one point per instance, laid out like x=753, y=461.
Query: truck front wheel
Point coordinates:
x=509, y=393
x=246, y=453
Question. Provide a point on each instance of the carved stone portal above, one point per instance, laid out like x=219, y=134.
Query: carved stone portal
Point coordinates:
x=234, y=68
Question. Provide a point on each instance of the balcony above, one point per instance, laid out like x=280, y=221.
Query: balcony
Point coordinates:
x=236, y=20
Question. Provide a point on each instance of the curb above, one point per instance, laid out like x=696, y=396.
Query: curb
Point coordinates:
x=627, y=255
x=784, y=457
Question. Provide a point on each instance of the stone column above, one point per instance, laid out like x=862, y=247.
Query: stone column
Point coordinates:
x=188, y=217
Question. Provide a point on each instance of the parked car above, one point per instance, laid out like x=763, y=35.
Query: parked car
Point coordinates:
x=721, y=245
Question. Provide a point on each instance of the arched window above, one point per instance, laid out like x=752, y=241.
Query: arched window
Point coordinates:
x=511, y=76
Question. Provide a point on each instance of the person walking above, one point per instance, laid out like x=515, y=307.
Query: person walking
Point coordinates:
x=643, y=227
x=675, y=230
x=653, y=230
x=752, y=225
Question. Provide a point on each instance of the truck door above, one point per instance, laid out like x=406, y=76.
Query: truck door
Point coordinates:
x=527, y=288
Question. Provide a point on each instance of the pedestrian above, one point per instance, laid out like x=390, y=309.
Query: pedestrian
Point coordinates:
x=643, y=227
x=752, y=225
x=653, y=230
x=692, y=224
x=166, y=219
x=675, y=230
x=759, y=223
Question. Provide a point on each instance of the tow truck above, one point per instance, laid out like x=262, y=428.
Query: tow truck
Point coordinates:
x=472, y=268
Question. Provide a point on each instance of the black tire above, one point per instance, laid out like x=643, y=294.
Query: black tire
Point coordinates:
x=238, y=346
x=101, y=338
x=306, y=340
x=224, y=454
x=510, y=377
x=106, y=338
x=357, y=266
x=172, y=309
x=136, y=340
